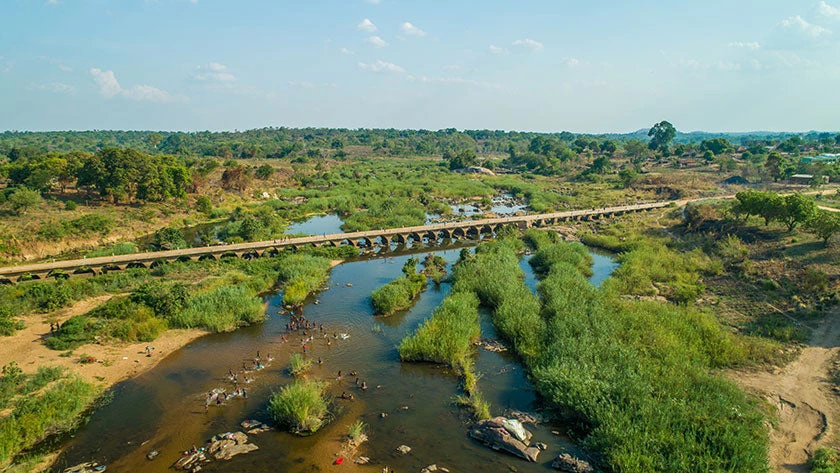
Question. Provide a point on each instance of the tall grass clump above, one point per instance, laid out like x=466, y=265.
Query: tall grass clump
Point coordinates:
x=222, y=309
x=447, y=336
x=298, y=365
x=301, y=406
x=302, y=274
x=356, y=431
x=635, y=379
x=35, y=417
x=494, y=275
x=400, y=293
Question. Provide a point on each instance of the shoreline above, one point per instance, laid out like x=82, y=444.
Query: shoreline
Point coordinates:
x=115, y=362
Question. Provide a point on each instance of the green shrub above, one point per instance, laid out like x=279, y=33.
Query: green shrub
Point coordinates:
x=74, y=332
x=301, y=406
x=298, y=365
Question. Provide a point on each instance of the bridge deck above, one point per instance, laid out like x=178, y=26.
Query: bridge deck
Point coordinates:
x=70, y=265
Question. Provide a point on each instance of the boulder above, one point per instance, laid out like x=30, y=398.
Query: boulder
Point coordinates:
x=494, y=434
x=570, y=464
x=404, y=449
x=230, y=451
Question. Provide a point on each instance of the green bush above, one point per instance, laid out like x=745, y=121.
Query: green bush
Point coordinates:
x=398, y=294
x=298, y=365
x=301, y=406
x=74, y=332
x=124, y=248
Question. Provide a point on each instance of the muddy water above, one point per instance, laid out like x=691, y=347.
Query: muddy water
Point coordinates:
x=163, y=409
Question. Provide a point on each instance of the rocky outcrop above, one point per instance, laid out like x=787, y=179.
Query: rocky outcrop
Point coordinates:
x=228, y=445
x=506, y=435
x=570, y=464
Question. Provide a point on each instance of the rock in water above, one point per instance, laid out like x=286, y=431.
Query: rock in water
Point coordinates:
x=570, y=464
x=494, y=434
x=404, y=449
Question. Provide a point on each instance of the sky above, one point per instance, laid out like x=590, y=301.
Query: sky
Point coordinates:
x=541, y=65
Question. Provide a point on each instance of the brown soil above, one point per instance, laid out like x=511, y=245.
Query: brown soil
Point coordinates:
x=807, y=408
x=114, y=362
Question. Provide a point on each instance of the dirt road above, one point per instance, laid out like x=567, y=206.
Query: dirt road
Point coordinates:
x=807, y=409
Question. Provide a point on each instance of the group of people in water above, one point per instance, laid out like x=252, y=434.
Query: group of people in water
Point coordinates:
x=219, y=395
x=241, y=377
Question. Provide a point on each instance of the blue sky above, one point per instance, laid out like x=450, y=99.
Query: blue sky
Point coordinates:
x=548, y=65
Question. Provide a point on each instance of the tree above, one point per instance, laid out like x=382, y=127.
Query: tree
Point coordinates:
x=599, y=165
x=717, y=146
x=169, y=239
x=608, y=147
x=797, y=209
x=204, y=205
x=23, y=199
x=464, y=158
x=628, y=177
x=824, y=225
x=773, y=165
x=661, y=135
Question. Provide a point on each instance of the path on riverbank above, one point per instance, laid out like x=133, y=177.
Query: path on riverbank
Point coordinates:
x=807, y=407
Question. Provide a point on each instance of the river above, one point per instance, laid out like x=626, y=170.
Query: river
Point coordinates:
x=163, y=409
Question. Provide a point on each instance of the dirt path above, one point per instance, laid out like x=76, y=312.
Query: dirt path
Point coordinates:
x=808, y=410
x=114, y=361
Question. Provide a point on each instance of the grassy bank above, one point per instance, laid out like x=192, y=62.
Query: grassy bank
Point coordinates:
x=635, y=378
x=400, y=293
x=217, y=296
x=38, y=405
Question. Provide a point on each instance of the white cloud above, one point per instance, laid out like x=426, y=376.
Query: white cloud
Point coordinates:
x=750, y=45
x=109, y=88
x=796, y=32
x=377, y=41
x=529, y=43
x=571, y=61
x=373, y=2
x=411, y=30
x=57, y=87
x=52, y=2
x=147, y=93
x=107, y=82
x=497, y=50
x=381, y=66
x=828, y=11
x=215, y=72
x=347, y=52
x=366, y=25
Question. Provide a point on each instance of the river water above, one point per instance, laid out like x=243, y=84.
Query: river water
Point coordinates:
x=163, y=409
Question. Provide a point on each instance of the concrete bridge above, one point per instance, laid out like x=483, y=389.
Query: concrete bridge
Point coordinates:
x=383, y=239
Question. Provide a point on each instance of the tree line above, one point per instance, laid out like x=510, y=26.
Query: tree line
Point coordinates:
x=113, y=173
x=791, y=210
